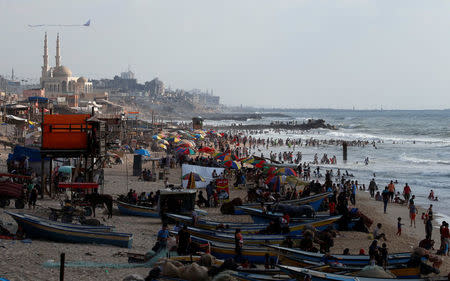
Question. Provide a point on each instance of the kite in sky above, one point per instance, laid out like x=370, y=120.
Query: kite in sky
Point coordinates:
x=88, y=23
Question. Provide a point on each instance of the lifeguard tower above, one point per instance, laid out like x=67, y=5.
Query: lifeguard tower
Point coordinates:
x=197, y=123
x=73, y=136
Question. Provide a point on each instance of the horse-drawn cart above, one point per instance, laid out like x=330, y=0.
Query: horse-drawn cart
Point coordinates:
x=11, y=191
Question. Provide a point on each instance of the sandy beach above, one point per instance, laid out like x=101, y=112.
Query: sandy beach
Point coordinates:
x=23, y=261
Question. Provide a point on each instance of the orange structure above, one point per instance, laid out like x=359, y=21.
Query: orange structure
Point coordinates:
x=65, y=132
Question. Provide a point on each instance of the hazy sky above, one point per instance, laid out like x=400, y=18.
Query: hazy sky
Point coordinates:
x=290, y=53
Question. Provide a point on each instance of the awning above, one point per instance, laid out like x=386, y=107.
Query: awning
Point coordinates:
x=81, y=185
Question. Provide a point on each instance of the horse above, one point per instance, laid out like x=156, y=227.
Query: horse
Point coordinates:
x=99, y=199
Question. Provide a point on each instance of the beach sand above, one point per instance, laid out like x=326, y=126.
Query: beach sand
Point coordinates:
x=23, y=261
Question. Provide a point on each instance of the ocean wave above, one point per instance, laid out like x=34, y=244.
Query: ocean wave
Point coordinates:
x=416, y=160
x=346, y=133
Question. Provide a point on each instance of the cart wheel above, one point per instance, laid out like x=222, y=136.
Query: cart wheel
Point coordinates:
x=53, y=216
x=19, y=204
x=2, y=203
x=66, y=218
x=87, y=211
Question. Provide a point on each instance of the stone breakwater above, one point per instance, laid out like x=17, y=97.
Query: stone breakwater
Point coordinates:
x=289, y=125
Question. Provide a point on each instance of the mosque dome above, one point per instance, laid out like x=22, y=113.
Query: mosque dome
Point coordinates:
x=62, y=71
x=82, y=80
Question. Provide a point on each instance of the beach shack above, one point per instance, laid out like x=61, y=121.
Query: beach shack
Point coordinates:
x=178, y=201
x=197, y=123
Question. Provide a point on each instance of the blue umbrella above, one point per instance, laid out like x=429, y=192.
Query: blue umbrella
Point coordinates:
x=143, y=152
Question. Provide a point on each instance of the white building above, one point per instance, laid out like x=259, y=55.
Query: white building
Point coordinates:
x=58, y=80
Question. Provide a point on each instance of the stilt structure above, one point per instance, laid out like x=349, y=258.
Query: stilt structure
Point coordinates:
x=79, y=136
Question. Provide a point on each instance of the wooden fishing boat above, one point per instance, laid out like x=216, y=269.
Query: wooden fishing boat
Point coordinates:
x=249, y=228
x=298, y=257
x=224, y=251
x=250, y=239
x=35, y=228
x=260, y=217
x=302, y=273
x=248, y=276
x=101, y=228
x=314, y=200
x=136, y=210
x=215, y=225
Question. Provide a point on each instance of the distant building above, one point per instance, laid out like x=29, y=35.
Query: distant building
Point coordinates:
x=127, y=75
x=58, y=80
x=33, y=93
x=155, y=87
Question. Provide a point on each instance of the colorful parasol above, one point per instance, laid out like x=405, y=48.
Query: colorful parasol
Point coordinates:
x=196, y=176
x=286, y=172
x=232, y=164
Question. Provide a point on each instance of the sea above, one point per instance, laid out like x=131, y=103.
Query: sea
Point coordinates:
x=412, y=146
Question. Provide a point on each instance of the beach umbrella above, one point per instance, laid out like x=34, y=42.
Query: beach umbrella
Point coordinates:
x=186, y=151
x=174, y=139
x=143, y=152
x=232, y=164
x=220, y=155
x=156, y=137
x=163, y=146
x=191, y=181
x=275, y=183
x=163, y=142
x=207, y=149
x=286, y=172
x=258, y=163
x=196, y=176
x=186, y=143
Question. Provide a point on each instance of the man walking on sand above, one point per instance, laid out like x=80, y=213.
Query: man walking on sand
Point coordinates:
x=406, y=192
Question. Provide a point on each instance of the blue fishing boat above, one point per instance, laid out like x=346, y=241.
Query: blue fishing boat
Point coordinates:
x=250, y=239
x=136, y=210
x=224, y=251
x=298, y=257
x=101, y=228
x=302, y=273
x=35, y=228
x=263, y=217
x=314, y=200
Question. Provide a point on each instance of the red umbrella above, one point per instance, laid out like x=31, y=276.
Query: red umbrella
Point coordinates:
x=206, y=149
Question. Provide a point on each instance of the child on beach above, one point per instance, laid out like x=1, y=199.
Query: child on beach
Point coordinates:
x=399, y=226
x=412, y=213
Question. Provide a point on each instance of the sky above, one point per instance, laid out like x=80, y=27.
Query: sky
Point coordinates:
x=270, y=53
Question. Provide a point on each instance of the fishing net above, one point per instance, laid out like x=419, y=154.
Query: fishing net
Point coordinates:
x=92, y=264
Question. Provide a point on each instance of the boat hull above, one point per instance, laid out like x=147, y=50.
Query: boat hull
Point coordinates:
x=135, y=210
x=37, y=229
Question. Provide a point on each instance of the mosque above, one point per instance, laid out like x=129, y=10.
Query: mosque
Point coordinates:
x=58, y=80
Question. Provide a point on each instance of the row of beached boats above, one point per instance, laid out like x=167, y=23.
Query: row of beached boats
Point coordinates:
x=37, y=227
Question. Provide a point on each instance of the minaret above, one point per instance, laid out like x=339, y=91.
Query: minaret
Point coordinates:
x=57, y=57
x=45, y=66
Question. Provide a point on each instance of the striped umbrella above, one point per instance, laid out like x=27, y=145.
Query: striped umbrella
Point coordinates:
x=275, y=183
x=196, y=176
x=286, y=172
x=232, y=164
x=191, y=181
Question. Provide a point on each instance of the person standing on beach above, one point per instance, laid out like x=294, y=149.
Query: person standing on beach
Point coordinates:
x=406, y=192
x=428, y=228
x=412, y=212
x=238, y=244
x=399, y=226
x=372, y=188
x=353, y=194
x=385, y=196
x=391, y=189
